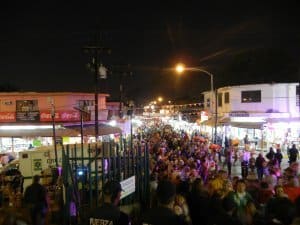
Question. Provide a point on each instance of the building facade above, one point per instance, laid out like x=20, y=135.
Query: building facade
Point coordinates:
x=269, y=112
x=33, y=107
x=18, y=109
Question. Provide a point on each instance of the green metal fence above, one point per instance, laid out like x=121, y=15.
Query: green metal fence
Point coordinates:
x=86, y=170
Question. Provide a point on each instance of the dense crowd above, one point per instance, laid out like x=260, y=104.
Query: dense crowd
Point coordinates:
x=192, y=183
x=207, y=193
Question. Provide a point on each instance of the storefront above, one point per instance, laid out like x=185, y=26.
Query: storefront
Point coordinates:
x=283, y=132
x=263, y=132
x=28, y=119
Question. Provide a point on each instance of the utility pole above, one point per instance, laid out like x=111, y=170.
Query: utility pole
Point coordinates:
x=53, y=129
x=99, y=72
x=216, y=116
x=122, y=71
x=82, y=111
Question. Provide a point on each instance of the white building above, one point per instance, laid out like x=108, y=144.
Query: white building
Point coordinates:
x=271, y=111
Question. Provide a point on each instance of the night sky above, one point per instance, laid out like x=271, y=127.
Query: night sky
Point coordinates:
x=41, y=45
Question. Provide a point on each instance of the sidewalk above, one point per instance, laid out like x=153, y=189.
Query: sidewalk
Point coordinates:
x=236, y=169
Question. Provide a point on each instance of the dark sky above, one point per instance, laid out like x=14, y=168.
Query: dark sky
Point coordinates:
x=41, y=45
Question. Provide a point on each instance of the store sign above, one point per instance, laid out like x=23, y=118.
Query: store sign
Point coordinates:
x=60, y=116
x=7, y=102
x=204, y=116
x=30, y=116
x=7, y=117
x=239, y=114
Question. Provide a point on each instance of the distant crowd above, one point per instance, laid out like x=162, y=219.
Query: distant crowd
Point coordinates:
x=207, y=193
x=192, y=183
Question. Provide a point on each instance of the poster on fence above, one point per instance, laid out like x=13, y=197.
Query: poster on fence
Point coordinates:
x=128, y=186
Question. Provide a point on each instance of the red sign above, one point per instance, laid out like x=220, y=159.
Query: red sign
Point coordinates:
x=203, y=116
x=64, y=116
x=7, y=117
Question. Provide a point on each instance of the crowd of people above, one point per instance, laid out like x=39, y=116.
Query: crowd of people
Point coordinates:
x=192, y=182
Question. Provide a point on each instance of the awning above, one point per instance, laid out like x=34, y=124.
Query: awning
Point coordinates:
x=67, y=131
x=247, y=125
x=38, y=132
x=103, y=129
x=283, y=120
x=209, y=122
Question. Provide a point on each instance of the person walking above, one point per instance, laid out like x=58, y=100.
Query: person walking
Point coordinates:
x=245, y=163
x=246, y=140
x=228, y=159
x=271, y=154
x=109, y=212
x=293, y=154
x=241, y=198
x=35, y=198
x=260, y=164
x=278, y=157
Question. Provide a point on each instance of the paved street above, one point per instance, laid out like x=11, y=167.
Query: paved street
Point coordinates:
x=236, y=169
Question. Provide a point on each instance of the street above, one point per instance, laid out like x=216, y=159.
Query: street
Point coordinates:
x=237, y=170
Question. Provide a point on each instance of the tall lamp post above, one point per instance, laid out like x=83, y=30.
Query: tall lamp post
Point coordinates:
x=180, y=68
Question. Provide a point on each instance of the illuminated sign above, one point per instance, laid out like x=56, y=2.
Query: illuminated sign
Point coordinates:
x=60, y=116
x=204, y=116
x=7, y=117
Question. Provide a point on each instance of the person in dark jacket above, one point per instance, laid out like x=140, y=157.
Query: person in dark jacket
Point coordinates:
x=278, y=156
x=279, y=211
x=271, y=154
x=227, y=216
x=293, y=154
x=259, y=164
x=35, y=198
x=109, y=212
x=198, y=202
x=163, y=214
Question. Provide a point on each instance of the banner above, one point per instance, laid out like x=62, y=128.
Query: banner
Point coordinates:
x=7, y=117
x=62, y=116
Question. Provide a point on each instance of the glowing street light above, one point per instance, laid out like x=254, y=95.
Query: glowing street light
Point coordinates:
x=180, y=68
x=160, y=99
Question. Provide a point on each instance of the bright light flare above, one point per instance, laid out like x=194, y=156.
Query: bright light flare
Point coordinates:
x=112, y=123
x=180, y=68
